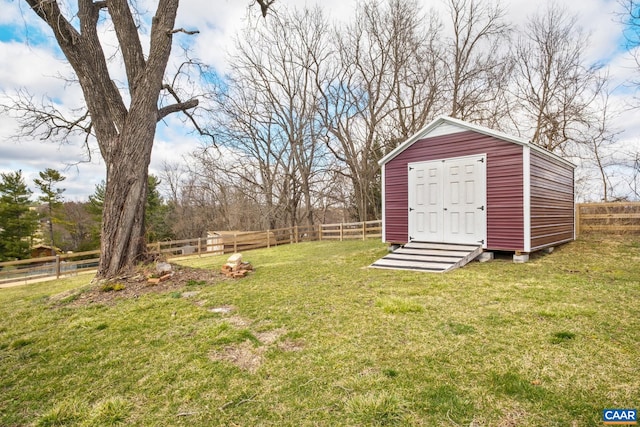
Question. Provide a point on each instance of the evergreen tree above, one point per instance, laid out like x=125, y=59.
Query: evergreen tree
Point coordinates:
x=94, y=208
x=96, y=200
x=51, y=196
x=155, y=211
x=17, y=222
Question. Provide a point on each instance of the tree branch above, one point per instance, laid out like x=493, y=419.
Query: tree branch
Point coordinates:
x=129, y=40
x=182, y=30
x=174, y=108
x=49, y=12
x=44, y=120
x=264, y=6
x=182, y=106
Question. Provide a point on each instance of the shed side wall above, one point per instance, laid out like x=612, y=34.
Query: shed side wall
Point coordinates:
x=505, y=219
x=552, y=198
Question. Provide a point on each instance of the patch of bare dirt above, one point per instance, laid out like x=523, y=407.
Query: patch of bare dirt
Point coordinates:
x=513, y=418
x=248, y=356
x=138, y=284
x=238, y=321
x=291, y=345
x=270, y=337
x=245, y=356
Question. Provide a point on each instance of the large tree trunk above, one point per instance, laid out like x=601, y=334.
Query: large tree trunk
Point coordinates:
x=123, y=243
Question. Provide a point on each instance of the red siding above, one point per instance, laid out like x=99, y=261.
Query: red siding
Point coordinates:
x=505, y=218
x=552, y=213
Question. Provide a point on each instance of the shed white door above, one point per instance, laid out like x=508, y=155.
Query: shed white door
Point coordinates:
x=447, y=200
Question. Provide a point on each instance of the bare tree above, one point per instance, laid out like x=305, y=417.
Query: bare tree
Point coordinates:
x=633, y=178
x=630, y=17
x=383, y=86
x=267, y=114
x=197, y=209
x=477, y=62
x=554, y=86
x=171, y=175
x=122, y=120
x=595, y=146
x=204, y=196
x=77, y=228
x=419, y=72
x=243, y=190
x=251, y=158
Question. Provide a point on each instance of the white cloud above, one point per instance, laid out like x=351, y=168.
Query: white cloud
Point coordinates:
x=33, y=67
x=217, y=21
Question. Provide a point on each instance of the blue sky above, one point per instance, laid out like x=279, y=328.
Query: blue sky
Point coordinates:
x=10, y=33
x=29, y=58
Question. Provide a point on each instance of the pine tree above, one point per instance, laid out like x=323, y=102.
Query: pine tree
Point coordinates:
x=17, y=222
x=155, y=213
x=51, y=196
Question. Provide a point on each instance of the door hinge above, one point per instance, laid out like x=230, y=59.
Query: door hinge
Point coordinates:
x=411, y=209
x=481, y=241
x=410, y=168
x=481, y=208
x=410, y=238
x=481, y=160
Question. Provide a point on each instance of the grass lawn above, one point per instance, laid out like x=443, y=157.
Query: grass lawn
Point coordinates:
x=312, y=337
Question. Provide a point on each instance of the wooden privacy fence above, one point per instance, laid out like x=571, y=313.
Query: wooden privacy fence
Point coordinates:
x=216, y=243
x=613, y=218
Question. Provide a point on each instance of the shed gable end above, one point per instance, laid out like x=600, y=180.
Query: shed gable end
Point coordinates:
x=504, y=184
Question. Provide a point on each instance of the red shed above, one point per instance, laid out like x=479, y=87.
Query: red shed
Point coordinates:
x=456, y=182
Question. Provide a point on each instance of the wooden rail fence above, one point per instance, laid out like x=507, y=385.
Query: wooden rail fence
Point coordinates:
x=611, y=218
x=617, y=218
x=216, y=243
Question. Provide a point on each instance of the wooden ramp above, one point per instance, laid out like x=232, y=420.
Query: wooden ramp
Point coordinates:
x=427, y=256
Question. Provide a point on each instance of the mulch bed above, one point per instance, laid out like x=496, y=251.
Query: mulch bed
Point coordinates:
x=138, y=284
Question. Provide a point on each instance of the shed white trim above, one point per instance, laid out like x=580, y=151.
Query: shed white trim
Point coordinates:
x=384, y=209
x=526, y=196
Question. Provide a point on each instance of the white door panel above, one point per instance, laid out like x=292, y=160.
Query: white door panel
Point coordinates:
x=463, y=200
x=447, y=200
x=425, y=201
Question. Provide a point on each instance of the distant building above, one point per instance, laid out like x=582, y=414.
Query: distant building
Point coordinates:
x=40, y=251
